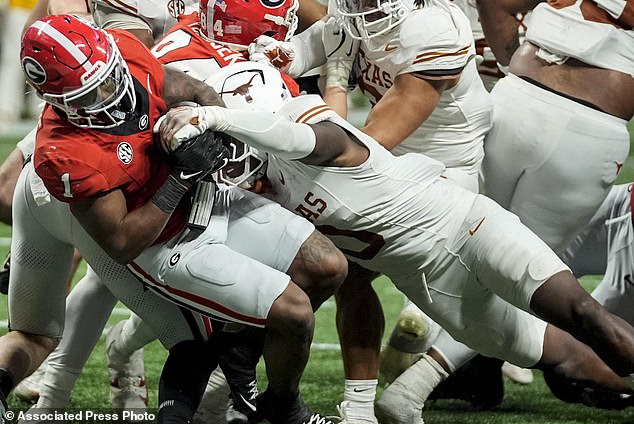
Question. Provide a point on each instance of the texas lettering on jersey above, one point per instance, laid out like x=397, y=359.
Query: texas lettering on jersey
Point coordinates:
x=442, y=50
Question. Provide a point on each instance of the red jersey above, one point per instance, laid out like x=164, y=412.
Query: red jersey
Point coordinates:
x=185, y=48
x=78, y=163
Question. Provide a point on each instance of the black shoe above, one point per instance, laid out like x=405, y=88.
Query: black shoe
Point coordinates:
x=238, y=351
x=3, y=409
x=234, y=416
x=288, y=411
x=4, y=275
x=573, y=392
x=243, y=408
x=478, y=382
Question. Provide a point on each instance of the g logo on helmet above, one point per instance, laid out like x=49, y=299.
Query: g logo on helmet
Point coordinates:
x=272, y=4
x=34, y=71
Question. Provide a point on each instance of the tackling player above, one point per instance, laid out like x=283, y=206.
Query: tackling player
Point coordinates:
x=453, y=252
x=187, y=48
x=414, y=62
x=125, y=236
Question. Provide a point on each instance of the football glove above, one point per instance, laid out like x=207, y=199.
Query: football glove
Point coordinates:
x=186, y=122
x=270, y=51
x=199, y=157
x=341, y=51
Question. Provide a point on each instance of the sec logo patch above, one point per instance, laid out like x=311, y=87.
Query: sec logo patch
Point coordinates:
x=124, y=152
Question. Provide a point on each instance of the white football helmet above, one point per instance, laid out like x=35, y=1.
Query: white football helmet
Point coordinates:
x=365, y=19
x=250, y=86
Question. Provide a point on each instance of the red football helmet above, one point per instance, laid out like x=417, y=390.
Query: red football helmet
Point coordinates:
x=77, y=68
x=237, y=23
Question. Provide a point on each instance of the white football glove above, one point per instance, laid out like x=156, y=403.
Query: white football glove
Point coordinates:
x=341, y=51
x=270, y=51
x=185, y=122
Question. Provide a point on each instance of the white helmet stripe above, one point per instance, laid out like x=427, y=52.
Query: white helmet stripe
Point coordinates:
x=65, y=43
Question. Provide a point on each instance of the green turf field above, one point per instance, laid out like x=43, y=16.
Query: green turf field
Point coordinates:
x=322, y=385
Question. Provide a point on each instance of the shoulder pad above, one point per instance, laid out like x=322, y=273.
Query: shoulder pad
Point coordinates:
x=430, y=29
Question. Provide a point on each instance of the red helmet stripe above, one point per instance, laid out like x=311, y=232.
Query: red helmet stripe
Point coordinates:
x=63, y=41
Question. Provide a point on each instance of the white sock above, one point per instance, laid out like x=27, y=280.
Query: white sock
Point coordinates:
x=57, y=386
x=454, y=353
x=134, y=335
x=359, y=396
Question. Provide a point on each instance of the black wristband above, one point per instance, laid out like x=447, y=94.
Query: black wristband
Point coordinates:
x=170, y=194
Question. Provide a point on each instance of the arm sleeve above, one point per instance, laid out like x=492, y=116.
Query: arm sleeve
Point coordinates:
x=310, y=48
x=265, y=131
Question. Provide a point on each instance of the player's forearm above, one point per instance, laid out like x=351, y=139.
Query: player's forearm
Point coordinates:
x=309, y=12
x=263, y=130
x=121, y=234
x=138, y=230
x=500, y=30
x=180, y=87
x=337, y=99
x=56, y=7
x=500, y=26
x=403, y=109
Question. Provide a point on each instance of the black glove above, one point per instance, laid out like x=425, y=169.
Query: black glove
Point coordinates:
x=198, y=157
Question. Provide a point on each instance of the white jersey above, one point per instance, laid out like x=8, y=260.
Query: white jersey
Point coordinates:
x=600, y=35
x=470, y=10
x=440, y=244
x=160, y=15
x=433, y=41
x=394, y=219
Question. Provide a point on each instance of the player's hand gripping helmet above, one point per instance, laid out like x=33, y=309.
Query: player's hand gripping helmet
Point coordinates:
x=365, y=19
x=236, y=23
x=77, y=68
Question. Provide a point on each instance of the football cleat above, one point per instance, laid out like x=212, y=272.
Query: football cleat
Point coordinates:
x=413, y=335
x=517, y=374
x=244, y=402
x=347, y=415
x=478, y=382
x=128, y=389
x=239, y=350
x=236, y=417
x=29, y=388
x=403, y=400
x=281, y=411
